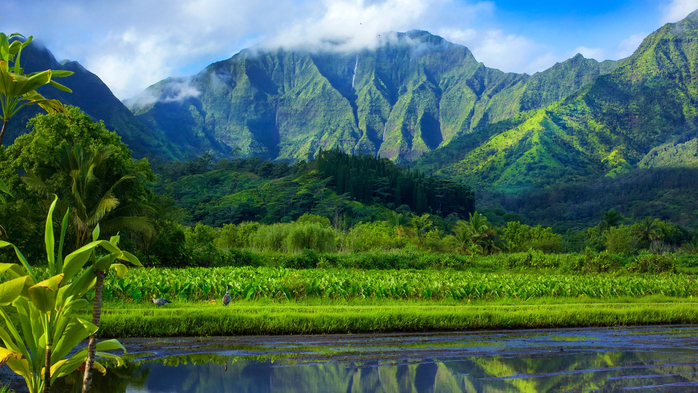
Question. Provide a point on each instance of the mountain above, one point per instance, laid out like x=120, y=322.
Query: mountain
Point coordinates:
x=412, y=94
x=642, y=114
x=95, y=99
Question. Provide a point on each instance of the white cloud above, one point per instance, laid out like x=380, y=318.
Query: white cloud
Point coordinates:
x=629, y=45
x=507, y=52
x=357, y=24
x=597, y=54
x=676, y=10
x=131, y=44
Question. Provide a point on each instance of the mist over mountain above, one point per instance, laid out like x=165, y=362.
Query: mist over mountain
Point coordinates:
x=412, y=94
x=95, y=99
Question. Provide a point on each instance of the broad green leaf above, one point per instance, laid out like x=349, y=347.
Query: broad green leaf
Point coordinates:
x=6, y=354
x=81, y=284
x=110, y=345
x=120, y=269
x=10, y=290
x=95, y=233
x=6, y=266
x=60, y=86
x=77, y=330
x=43, y=295
x=20, y=367
x=127, y=256
x=49, y=239
x=104, y=262
x=64, y=230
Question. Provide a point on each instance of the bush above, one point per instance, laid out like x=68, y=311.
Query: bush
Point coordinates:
x=373, y=236
x=593, y=262
x=521, y=237
x=653, y=263
x=533, y=259
x=621, y=240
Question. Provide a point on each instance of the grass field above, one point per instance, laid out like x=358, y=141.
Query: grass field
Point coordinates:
x=372, y=316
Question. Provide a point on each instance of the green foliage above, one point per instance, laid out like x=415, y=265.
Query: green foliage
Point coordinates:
x=38, y=348
x=521, y=237
x=373, y=236
x=372, y=316
x=18, y=89
x=653, y=263
x=639, y=115
x=369, y=180
x=621, y=240
x=278, y=284
x=411, y=94
x=294, y=238
x=89, y=168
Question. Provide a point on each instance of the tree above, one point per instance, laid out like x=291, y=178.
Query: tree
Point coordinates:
x=401, y=222
x=611, y=218
x=90, y=201
x=647, y=230
x=18, y=90
x=48, y=329
x=420, y=225
x=4, y=190
x=463, y=236
x=484, y=237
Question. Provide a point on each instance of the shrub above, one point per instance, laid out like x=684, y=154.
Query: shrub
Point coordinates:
x=621, y=240
x=653, y=263
x=373, y=236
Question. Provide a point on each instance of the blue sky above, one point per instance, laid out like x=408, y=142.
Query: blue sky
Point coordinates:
x=132, y=44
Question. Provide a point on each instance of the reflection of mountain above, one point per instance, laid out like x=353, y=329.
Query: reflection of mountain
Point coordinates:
x=554, y=371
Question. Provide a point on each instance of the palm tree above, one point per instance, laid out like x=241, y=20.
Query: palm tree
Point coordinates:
x=611, y=218
x=485, y=237
x=18, y=90
x=401, y=223
x=691, y=247
x=420, y=225
x=92, y=202
x=648, y=230
x=464, y=237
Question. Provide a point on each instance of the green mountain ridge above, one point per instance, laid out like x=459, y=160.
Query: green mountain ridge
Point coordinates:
x=95, y=99
x=642, y=114
x=413, y=94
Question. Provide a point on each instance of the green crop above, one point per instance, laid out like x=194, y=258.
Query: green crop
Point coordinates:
x=247, y=283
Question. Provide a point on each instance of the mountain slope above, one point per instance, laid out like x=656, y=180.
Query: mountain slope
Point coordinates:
x=95, y=99
x=608, y=127
x=411, y=95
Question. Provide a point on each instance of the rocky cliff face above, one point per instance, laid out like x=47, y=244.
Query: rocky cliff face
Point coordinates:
x=411, y=95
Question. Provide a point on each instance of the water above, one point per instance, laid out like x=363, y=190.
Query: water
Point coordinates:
x=647, y=359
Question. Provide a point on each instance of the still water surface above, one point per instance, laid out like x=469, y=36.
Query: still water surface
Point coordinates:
x=619, y=359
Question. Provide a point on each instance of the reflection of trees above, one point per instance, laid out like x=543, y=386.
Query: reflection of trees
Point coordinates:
x=207, y=373
x=117, y=380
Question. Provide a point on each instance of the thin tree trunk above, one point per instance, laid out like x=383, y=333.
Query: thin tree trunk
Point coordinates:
x=47, y=370
x=92, y=346
x=2, y=131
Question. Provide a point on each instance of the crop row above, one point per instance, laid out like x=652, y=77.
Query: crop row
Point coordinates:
x=246, y=283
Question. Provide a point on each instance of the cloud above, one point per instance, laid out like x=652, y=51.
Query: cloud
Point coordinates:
x=131, y=44
x=177, y=90
x=507, y=52
x=597, y=54
x=676, y=10
x=629, y=45
x=357, y=24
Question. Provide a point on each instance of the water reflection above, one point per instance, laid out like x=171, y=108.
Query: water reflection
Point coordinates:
x=599, y=359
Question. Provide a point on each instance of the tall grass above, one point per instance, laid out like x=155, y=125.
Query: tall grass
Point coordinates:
x=207, y=320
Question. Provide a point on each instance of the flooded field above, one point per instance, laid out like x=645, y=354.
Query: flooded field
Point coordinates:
x=660, y=358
